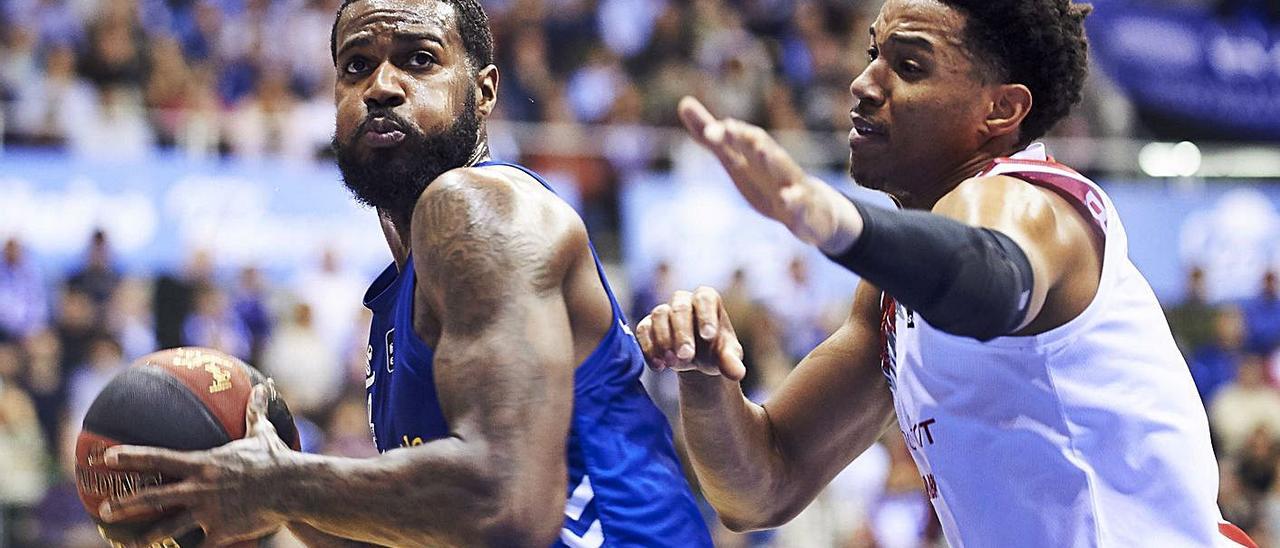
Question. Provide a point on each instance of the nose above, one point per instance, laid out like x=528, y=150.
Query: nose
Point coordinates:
x=865, y=89
x=385, y=90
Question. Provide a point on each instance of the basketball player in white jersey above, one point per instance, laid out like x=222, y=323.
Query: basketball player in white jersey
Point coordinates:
x=1030, y=367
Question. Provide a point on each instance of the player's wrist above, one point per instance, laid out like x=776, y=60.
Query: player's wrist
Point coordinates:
x=841, y=222
x=700, y=390
x=288, y=485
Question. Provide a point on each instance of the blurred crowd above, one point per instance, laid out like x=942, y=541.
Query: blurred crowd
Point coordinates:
x=1233, y=351
x=254, y=77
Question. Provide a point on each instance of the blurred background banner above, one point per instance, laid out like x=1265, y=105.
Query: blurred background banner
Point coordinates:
x=1231, y=230
x=1218, y=75
x=277, y=215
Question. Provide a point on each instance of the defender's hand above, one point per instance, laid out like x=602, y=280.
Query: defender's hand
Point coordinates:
x=222, y=490
x=692, y=333
x=771, y=181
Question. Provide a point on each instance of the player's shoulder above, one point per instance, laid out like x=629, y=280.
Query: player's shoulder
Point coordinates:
x=499, y=212
x=499, y=198
x=991, y=197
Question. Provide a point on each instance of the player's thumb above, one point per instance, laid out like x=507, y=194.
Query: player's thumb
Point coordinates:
x=731, y=365
x=256, y=411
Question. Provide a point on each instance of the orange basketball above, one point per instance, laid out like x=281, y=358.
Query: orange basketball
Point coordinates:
x=182, y=398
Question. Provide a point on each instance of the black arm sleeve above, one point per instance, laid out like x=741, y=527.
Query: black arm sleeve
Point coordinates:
x=966, y=281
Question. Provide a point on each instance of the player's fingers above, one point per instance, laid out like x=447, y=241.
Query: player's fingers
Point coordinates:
x=662, y=341
x=153, y=459
x=682, y=324
x=169, y=528
x=643, y=333
x=699, y=122
x=706, y=311
x=146, y=501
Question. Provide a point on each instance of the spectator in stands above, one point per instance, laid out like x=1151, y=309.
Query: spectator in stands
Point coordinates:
x=902, y=517
x=166, y=94
x=249, y=301
x=116, y=56
x=334, y=295
x=104, y=361
x=799, y=310
x=174, y=297
x=1262, y=317
x=63, y=521
x=22, y=447
x=1191, y=320
x=657, y=288
x=259, y=123
x=98, y=277
x=44, y=382
x=23, y=308
x=48, y=105
x=307, y=372
x=348, y=433
x=76, y=326
x=1214, y=364
x=55, y=21
x=1257, y=462
x=759, y=331
x=129, y=316
x=1245, y=405
x=213, y=324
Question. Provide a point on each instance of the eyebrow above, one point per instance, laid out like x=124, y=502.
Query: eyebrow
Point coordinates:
x=916, y=41
x=366, y=39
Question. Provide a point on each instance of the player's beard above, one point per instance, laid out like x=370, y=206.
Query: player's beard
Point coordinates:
x=392, y=179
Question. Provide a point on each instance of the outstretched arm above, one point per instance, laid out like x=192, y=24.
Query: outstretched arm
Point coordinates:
x=760, y=465
x=490, y=269
x=981, y=265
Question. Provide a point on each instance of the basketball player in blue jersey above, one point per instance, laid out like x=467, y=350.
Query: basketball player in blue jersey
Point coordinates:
x=503, y=384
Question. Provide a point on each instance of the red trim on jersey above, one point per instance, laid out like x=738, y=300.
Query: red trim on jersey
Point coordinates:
x=1078, y=193
x=1236, y=535
x=1044, y=163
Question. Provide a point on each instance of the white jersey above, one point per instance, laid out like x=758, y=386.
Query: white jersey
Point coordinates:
x=1090, y=434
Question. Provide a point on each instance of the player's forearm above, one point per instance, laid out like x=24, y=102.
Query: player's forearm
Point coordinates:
x=965, y=280
x=731, y=449
x=445, y=492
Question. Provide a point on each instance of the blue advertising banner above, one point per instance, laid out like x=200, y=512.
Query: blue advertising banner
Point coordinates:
x=279, y=216
x=1182, y=62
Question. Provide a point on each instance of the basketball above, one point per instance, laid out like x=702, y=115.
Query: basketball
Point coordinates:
x=184, y=399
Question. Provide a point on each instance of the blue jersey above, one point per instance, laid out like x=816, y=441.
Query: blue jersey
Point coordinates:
x=625, y=486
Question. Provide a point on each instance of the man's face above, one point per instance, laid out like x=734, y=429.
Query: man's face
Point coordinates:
x=918, y=108
x=406, y=100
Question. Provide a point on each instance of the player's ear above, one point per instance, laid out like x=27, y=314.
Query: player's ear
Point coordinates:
x=1010, y=104
x=486, y=90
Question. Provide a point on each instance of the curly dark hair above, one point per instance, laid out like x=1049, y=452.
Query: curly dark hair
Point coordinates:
x=1036, y=43
x=473, y=25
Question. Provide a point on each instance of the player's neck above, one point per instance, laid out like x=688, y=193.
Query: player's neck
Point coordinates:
x=949, y=179
x=397, y=228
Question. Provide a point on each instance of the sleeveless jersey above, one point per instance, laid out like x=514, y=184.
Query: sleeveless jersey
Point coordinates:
x=1090, y=434
x=625, y=486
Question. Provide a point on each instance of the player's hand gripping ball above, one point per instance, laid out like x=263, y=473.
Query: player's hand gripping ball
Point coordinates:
x=185, y=399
